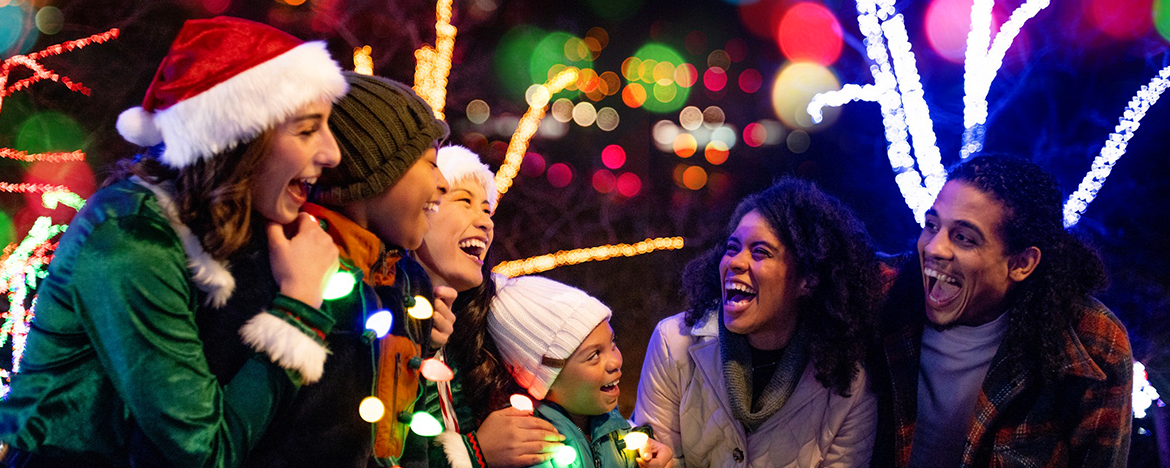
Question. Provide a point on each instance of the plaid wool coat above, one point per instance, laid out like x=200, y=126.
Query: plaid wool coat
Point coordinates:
x=1082, y=420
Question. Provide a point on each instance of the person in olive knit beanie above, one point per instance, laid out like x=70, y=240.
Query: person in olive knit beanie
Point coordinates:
x=374, y=205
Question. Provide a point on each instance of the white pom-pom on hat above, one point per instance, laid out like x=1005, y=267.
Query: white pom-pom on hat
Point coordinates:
x=137, y=126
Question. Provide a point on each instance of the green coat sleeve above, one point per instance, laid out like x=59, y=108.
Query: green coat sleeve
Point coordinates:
x=137, y=303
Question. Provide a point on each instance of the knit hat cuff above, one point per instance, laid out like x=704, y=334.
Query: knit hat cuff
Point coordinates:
x=387, y=174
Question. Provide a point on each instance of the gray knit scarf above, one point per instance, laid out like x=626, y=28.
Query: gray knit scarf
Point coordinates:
x=737, y=375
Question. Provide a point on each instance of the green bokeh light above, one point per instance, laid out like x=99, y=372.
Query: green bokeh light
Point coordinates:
x=50, y=131
x=513, y=57
x=1162, y=18
x=665, y=97
x=549, y=52
x=7, y=231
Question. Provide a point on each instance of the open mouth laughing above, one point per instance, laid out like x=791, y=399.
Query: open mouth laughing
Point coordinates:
x=611, y=388
x=941, y=289
x=737, y=295
x=474, y=248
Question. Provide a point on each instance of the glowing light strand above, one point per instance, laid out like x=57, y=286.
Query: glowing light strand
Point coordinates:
x=982, y=62
x=54, y=157
x=1114, y=147
x=30, y=188
x=434, y=64
x=884, y=91
x=548, y=262
x=918, y=120
x=39, y=73
x=527, y=127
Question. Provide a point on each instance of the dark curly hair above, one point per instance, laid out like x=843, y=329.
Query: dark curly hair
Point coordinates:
x=831, y=247
x=1046, y=303
x=486, y=381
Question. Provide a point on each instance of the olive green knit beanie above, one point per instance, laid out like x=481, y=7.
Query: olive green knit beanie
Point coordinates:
x=382, y=127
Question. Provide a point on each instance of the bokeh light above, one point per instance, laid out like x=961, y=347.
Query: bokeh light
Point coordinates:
x=610, y=83
x=694, y=177
x=7, y=231
x=550, y=52
x=13, y=19
x=810, y=32
x=798, y=141
x=725, y=135
x=776, y=131
x=718, y=59
x=537, y=96
x=634, y=95
x=755, y=134
x=716, y=152
x=715, y=79
x=532, y=165
x=762, y=17
x=696, y=42
x=686, y=75
x=608, y=119
x=1162, y=18
x=750, y=80
x=604, y=181
x=559, y=175
x=666, y=94
x=584, y=114
x=795, y=86
x=690, y=117
x=216, y=7
x=685, y=145
x=713, y=117
x=947, y=24
x=613, y=156
x=1121, y=19
x=478, y=111
x=629, y=184
x=562, y=110
x=664, y=132
x=631, y=67
x=512, y=59
x=50, y=131
x=596, y=39
x=49, y=20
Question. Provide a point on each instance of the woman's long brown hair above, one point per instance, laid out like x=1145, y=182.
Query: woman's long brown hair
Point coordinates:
x=213, y=195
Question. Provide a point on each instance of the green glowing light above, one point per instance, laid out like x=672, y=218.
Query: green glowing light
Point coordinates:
x=565, y=456
x=666, y=95
x=549, y=52
x=339, y=286
x=425, y=425
x=70, y=199
x=50, y=131
x=512, y=59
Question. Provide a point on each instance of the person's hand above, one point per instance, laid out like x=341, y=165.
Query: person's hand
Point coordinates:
x=443, y=322
x=656, y=455
x=510, y=438
x=303, y=258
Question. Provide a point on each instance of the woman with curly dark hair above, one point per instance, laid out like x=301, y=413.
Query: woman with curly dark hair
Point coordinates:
x=765, y=368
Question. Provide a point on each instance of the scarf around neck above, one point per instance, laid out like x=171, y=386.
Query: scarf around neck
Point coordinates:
x=735, y=353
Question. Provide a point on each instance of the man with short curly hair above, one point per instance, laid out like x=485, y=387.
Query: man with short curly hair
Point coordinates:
x=994, y=351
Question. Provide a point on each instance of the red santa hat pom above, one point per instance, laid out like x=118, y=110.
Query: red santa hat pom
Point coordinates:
x=137, y=126
x=225, y=81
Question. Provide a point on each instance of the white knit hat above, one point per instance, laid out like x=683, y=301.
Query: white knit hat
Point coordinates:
x=223, y=82
x=458, y=164
x=537, y=323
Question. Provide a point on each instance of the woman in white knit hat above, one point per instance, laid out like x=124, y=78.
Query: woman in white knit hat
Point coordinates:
x=114, y=372
x=453, y=254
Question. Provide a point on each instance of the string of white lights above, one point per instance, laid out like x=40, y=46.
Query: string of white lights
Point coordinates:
x=1114, y=147
x=982, y=62
x=918, y=119
x=838, y=98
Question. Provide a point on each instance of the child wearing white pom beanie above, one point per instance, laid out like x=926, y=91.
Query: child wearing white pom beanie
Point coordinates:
x=556, y=341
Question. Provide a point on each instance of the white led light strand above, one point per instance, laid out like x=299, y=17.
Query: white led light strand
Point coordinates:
x=982, y=62
x=1114, y=147
x=1144, y=394
x=917, y=112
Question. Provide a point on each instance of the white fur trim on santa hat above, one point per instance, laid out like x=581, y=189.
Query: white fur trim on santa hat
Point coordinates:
x=532, y=318
x=210, y=275
x=455, y=449
x=136, y=125
x=458, y=164
x=245, y=105
x=286, y=345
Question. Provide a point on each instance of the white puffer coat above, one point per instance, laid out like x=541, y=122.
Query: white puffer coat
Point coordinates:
x=682, y=395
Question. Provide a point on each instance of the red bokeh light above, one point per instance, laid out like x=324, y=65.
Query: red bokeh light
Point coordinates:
x=762, y=16
x=559, y=175
x=809, y=32
x=736, y=49
x=715, y=79
x=629, y=184
x=754, y=134
x=613, y=156
x=76, y=175
x=603, y=181
x=532, y=165
x=1122, y=19
x=750, y=80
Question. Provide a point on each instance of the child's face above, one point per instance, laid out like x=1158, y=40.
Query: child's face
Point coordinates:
x=588, y=384
x=398, y=216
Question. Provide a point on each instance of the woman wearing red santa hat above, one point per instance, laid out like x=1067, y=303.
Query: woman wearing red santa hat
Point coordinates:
x=114, y=372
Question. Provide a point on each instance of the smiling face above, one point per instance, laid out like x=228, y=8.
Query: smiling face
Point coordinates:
x=760, y=284
x=398, y=215
x=453, y=250
x=588, y=384
x=965, y=266
x=301, y=147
